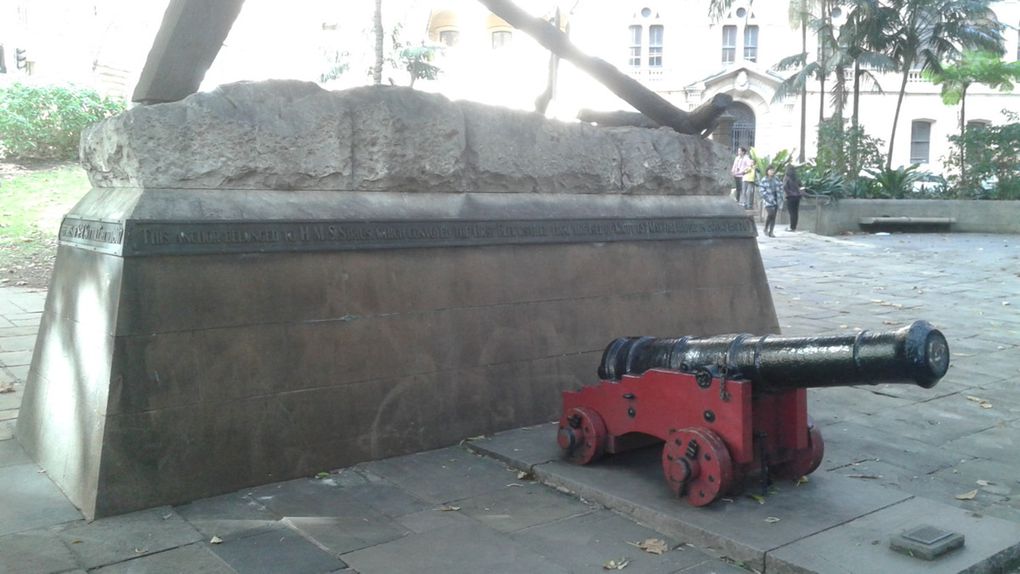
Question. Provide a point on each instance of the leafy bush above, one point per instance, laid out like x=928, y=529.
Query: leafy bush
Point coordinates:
x=991, y=159
x=39, y=122
x=848, y=150
x=763, y=162
x=903, y=183
x=822, y=180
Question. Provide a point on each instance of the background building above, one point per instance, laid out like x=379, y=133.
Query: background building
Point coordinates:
x=674, y=48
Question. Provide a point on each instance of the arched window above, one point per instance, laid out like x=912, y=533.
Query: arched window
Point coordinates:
x=444, y=28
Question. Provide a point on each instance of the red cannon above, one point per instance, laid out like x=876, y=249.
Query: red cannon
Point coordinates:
x=733, y=408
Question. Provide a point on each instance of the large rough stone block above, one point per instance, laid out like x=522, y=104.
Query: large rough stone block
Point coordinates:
x=294, y=136
x=271, y=280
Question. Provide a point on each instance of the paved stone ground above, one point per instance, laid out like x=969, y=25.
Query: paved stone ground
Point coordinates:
x=453, y=511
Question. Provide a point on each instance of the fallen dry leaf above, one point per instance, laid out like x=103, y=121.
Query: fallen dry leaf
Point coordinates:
x=652, y=546
x=984, y=483
x=757, y=497
x=802, y=480
x=215, y=540
x=772, y=519
x=983, y=403
x=967, y=495
x=616, y=564
x=8, y=388
x=449, y=508
x=868, y=476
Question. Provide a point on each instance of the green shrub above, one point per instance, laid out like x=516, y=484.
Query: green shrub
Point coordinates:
x=991, y=160
x=45, y=123
x=822, y=180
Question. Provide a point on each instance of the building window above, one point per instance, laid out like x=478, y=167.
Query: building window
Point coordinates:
x=501, y=38
x=920, y=141
x=655, y=46
x=751, y=43
x=635, y=47
x=729, y=44
x=449, y=37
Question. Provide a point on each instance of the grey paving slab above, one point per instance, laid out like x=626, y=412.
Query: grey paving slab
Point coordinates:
x=584, y=543
x=343, y=534
x=7, y=429
x=17, y=343
x=518, y=447
x=462, y=549
x=444, y=475
x=228, y=516
x=29, y=500
x=1001, y=442
x=849, y=442
x=120, y=538
x=15, y=358
x=12, y=400
x=11, y=453
x=386, y=499
x=8, y=414
x=274, y=552
x=520, y=505
x=35, y=552
x=19, y=372
x=308, y=497
x=714, y=567
x=433, y=519
x=632, y=483
x=193, y=559
x=862, y=545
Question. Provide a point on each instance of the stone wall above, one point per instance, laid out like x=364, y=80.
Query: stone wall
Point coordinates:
x=272, y=280
x=970, y=216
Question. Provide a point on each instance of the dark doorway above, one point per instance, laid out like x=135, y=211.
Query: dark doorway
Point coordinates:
x=742, y=128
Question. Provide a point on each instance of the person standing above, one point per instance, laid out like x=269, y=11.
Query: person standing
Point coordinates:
x=793, y=192
x=749, y=184
x=741, y=164
x=769, y=189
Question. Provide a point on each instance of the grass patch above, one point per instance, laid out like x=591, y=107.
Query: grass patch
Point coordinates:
x=32, y=204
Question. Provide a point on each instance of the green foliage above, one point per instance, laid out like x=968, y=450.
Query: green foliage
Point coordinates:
x=46, y=122
x=32, y=205
x=991, y=159
x=763, y=162
x=975, y=67
x=818, y=179
x=336, y=65
x=894, y=183
x=418, y=62
x=847, y=150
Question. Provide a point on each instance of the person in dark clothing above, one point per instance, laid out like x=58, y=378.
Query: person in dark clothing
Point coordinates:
x=793, y=192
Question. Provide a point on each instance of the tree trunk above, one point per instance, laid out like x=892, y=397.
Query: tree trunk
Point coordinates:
x=379, y=33
x=644, y=100
x=855, y=151
x=543, y=99
x=703, y=114
x=896, y=116
x=963, y=134
x=803, y=89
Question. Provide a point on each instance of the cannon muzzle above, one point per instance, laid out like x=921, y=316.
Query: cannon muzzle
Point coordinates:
x=917, y=354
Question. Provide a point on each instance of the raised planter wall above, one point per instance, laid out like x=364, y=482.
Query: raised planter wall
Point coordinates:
x=971, y=216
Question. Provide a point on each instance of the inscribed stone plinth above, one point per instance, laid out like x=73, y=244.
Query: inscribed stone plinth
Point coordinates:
x=271, y=280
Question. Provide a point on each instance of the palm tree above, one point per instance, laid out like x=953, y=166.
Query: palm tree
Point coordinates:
x=866, y=34
x=928, y=32
x=975, y=67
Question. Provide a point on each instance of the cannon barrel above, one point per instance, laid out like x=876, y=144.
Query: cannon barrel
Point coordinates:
x=917, y=353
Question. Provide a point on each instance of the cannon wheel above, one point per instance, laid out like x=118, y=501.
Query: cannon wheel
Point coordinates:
x=807, y=460
x=697, y=465
x=582, y=435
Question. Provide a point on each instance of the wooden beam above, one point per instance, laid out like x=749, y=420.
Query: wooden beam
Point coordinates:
x=185, y=46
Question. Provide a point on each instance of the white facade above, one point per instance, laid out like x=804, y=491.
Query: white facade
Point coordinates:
x=672, y=47
x=693, y=64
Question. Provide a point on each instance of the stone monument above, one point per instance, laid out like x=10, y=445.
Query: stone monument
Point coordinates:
x=271, y=280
